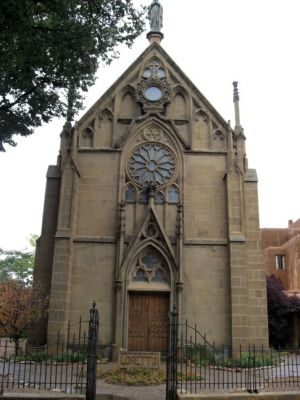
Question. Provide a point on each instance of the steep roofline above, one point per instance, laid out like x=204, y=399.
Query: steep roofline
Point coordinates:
x=176, y=68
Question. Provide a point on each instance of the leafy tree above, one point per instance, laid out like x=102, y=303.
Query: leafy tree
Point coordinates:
x=280, y=307
x=50, y=51
x=18, y=264
x=19, y=306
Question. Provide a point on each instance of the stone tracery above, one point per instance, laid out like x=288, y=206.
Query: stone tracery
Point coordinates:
x=150, y=267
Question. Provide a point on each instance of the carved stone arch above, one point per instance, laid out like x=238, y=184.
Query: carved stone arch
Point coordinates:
x=126, y=108
x=106, y=114
x=218, y=138
x=104, y=128
x=201, y=129
x=181, y=104
x=218, y=134
x=201, y=114
x=86, y=136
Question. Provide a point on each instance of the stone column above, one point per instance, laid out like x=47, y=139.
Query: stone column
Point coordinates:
x=45, y=248
x=63, y=254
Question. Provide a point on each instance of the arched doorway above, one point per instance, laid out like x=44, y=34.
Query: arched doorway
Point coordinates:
x=149, y=302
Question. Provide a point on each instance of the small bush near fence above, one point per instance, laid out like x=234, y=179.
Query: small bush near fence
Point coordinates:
x=202, y=355
x=44, y=356
x=132, y=376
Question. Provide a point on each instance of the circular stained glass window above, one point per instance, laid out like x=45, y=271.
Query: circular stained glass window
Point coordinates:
x=153, y=93
x=152, y=164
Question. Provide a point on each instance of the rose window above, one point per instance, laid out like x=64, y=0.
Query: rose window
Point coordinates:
x=152, y=164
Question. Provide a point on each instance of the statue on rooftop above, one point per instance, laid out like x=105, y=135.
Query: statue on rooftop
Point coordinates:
x=156, y=16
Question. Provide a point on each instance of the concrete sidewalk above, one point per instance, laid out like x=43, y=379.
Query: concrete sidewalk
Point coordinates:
x=242, y=396
x=46, y=396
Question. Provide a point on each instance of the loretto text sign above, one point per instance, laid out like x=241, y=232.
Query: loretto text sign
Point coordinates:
x=136, y=359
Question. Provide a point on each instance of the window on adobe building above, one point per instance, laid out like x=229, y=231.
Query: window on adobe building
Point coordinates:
x=280, y=262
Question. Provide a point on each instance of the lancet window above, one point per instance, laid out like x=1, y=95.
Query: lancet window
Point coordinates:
x=130, y=193
x=173, y=195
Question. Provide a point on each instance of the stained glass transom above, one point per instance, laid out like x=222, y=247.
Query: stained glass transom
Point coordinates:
x=150, y=268
x=152, y=164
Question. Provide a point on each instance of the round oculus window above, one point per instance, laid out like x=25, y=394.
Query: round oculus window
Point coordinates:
x=152, y=164
x=153, y=93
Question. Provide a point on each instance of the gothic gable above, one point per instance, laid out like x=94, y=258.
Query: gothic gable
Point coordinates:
x=153, y=85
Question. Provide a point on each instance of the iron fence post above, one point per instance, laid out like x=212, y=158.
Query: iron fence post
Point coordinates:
x=171, y=386
x=92, y=353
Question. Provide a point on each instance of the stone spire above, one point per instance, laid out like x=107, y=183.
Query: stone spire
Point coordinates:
x=236, y=100
x=156, y=22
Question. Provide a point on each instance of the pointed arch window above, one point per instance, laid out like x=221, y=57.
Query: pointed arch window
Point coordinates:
x=159, y=198
x=143, y=197
x=130, y=193
x=150, y=267
x=173, y=195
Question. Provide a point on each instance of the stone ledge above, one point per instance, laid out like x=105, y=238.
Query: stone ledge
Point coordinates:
x=205, y=242
x=94, y=239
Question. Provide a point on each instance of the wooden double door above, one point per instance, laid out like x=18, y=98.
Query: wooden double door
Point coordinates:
x=148, y=321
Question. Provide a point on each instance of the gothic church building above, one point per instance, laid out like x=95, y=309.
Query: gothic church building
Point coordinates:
x=150, y=205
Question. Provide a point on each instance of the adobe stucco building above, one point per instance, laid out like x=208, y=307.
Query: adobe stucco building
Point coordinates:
x=282, y=257
x=282, y=251
x=152, y=204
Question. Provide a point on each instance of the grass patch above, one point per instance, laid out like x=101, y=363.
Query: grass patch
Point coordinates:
x=132, y=376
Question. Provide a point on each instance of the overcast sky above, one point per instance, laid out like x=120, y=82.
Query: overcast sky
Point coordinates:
x=214, y=42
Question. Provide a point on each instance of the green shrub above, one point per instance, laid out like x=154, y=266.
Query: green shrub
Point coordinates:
x=44, y=356
x=132, y=376
x=205, y=355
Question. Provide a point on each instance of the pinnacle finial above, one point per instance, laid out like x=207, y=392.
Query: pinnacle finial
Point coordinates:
x=236, y=99
x=236, y=96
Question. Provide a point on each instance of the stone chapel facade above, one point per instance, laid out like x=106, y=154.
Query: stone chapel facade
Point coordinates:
x=152, y=204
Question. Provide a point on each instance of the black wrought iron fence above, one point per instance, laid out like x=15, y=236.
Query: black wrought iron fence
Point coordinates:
x=67, y=364
x=195, y=365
